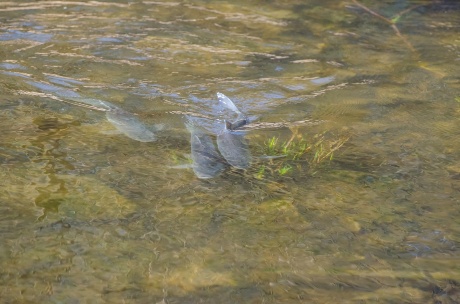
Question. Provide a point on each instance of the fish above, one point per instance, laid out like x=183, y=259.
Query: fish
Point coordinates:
x=232, y=144
x=234, y=148
x=124, y=121
x=128, y=124
x=207, y=162
x=52, y=89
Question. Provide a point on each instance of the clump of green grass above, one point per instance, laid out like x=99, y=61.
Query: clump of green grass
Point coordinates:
x=271, y=146
x=284, y=169
x=319, y=149
x=290, y=149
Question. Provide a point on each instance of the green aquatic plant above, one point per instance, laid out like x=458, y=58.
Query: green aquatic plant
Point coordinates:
x=298, y=150
x=178, y=159
x=261, y=172
x=271, y=146
x=174, y=158
x=284, y=169
x=291, y=149
x=324, y=149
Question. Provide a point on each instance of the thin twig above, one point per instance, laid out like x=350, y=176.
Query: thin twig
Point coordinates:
x=295, y=131
x=407, y=10
x=398, y=33
x=390, y=21
x=372, y=12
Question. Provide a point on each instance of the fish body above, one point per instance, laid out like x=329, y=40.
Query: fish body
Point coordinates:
x=232, y=144
x=130, y=125
x=207, y=162
x=125, y=122
x=234, y=148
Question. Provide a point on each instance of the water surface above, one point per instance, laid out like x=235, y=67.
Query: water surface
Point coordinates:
x=88, y=214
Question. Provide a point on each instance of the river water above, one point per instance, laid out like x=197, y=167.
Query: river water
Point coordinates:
x=90, y=215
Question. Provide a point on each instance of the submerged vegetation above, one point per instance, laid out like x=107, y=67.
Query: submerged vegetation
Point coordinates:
x=299, y=152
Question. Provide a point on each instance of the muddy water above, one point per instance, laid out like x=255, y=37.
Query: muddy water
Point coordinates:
x=90, y=215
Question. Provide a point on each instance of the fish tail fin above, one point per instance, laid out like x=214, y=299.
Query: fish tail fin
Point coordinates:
x=189, y=123
x=192, y=124
x=228, y=103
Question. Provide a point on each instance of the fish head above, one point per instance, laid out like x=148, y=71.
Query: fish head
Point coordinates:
x=235, y=125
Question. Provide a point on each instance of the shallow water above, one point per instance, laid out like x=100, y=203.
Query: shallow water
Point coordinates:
x=91, y=215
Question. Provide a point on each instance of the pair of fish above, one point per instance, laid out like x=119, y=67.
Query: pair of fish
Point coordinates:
x=231, y=143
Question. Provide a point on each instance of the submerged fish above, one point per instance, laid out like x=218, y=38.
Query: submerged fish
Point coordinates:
x=234, y=148
x=130, y=125
x=207, y=163
x=232, y=144
x=125, y=122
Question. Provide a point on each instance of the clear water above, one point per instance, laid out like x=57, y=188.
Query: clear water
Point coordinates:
x=89, y=215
